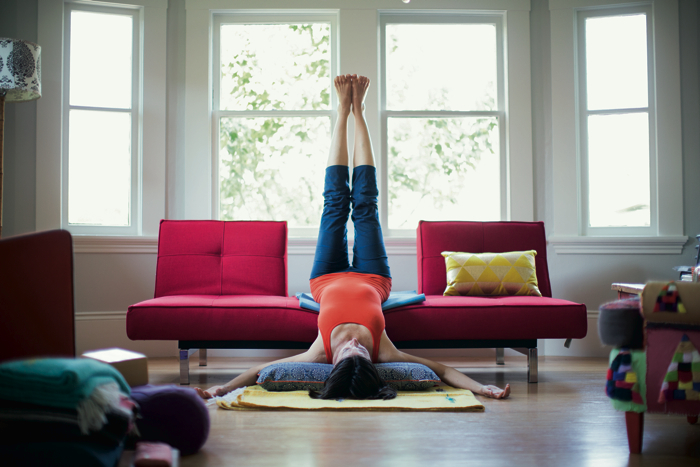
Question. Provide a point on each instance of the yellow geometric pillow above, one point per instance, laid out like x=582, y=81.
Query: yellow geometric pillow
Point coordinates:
x=510, y=273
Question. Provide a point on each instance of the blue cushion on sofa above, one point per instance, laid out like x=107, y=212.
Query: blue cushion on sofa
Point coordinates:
x=296, y=376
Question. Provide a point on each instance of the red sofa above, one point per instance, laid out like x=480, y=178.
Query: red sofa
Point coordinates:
x=223, y=285
x=36, y=295
x=483, y=322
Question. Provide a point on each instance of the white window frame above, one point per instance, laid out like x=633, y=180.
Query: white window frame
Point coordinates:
x=358, y=45
x=570, y=234
x=477, y=17
x=582, y=16
x=265, y=17
x=51, y=110
x=134, y=227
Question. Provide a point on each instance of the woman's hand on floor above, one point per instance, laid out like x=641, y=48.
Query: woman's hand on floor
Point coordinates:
x=214, y=391
x=250, y=376
x=495, y=392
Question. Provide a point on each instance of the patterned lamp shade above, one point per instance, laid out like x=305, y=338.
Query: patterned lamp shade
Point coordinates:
x=20, y=70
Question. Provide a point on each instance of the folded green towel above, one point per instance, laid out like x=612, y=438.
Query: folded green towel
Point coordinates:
x=56, y=382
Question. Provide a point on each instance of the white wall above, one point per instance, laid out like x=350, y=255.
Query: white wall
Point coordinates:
x=108, y=280
x=18, y=20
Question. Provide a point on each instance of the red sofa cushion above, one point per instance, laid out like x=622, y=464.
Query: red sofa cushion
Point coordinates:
x=221, y=258
x=476, y=237
x=221, y=317
x=462, y=318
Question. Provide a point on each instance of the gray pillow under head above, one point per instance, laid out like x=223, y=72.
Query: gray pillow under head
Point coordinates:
x=296, y=376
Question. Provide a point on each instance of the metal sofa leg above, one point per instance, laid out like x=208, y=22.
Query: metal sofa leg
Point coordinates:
x=532, y=365
x=202, y=357
x=184, y=366
x=500, y=356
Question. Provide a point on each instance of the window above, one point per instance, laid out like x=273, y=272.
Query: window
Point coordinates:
x=616, y=120
x=102, y=127
x=273, y=105
x=255, y=150
x=616, y=117
x=442, y=110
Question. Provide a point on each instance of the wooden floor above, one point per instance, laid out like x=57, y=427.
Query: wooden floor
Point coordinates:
x=564, y=420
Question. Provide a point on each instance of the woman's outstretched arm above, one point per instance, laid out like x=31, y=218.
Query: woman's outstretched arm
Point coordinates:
x=389, y=353
x=315, y=354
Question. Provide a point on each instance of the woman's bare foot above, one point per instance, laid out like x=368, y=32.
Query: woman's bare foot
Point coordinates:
x=495, y=392
x=214, y=391
x=343, y=87
x=360, y=85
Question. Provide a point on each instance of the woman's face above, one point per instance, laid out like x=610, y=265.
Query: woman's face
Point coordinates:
x=352, y=347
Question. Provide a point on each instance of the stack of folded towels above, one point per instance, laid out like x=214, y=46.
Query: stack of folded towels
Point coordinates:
x=60, y=411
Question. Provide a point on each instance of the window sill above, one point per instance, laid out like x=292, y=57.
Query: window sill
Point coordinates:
x=114, y=244
x=563, y=245
x=149, y=245
x=394, y=246
x=570, y=245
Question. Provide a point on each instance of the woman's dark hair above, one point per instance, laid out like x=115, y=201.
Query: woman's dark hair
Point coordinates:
x=354, y=378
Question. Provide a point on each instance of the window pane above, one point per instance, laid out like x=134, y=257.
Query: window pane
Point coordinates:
x=275, y=66
x=273, y=168
x=100, y=59
x=618, y=170
x=443, y=169
x=441, y=67
x=99, y=168
x=616, y=62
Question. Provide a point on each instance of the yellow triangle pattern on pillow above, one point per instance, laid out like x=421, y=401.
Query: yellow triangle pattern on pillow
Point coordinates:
x=509, y=273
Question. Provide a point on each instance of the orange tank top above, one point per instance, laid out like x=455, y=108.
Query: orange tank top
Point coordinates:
x=351, y=297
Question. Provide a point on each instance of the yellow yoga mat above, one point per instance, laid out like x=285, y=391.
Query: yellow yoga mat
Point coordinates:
x=437, y=399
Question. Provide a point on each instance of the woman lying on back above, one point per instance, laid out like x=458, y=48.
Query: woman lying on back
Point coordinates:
x=351, y=320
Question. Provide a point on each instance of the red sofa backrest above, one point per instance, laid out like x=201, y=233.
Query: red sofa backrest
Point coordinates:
x=222, y=258
x=476, y=237
x=36, y=296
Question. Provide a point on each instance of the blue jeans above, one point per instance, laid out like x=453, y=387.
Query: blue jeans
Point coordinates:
x=369, y=254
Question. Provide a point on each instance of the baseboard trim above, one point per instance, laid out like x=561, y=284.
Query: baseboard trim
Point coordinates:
x=99, y=315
